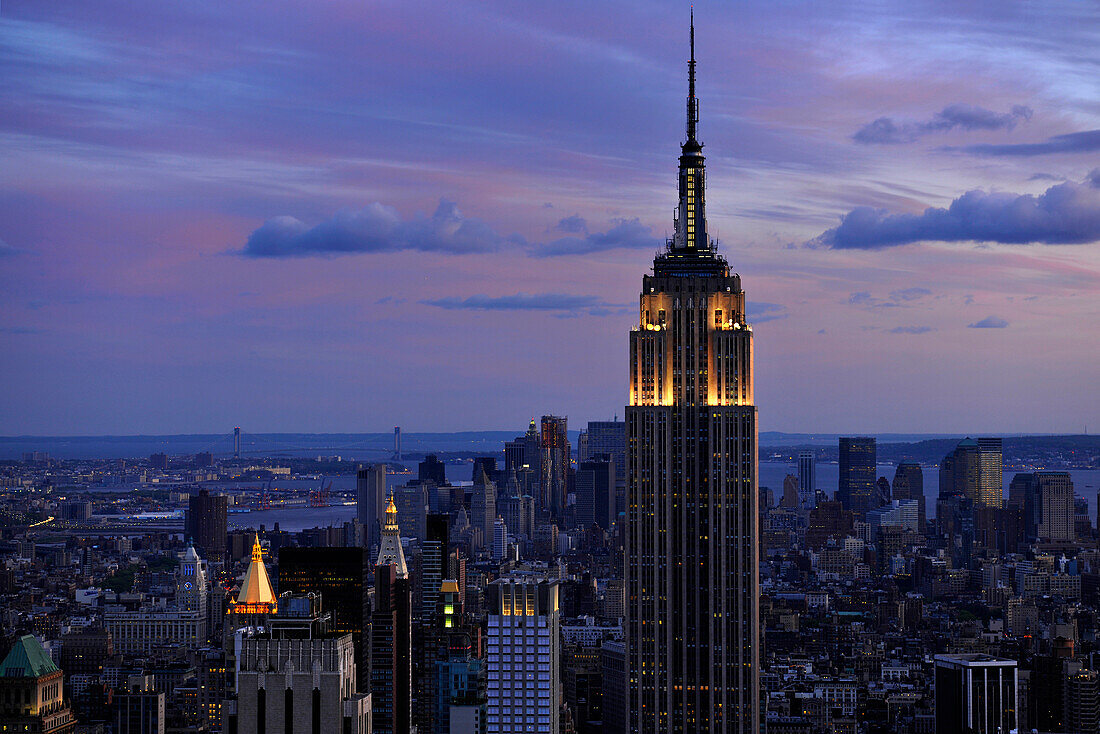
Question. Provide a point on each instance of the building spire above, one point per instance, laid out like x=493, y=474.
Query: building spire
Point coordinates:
x=692, y=102
x=691, y=223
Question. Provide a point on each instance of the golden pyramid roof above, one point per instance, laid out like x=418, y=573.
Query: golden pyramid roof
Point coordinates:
x=256, y=587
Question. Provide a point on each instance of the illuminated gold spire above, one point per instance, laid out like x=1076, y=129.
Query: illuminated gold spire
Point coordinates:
x=256, y=595
x=391, y=515
x=390, y=550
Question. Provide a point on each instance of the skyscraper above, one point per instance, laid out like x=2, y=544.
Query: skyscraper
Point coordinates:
x=692, y=544
x=976, y=694
x=807, y=479
x=595, y=490
x=341, y=575
x=433, y=563
x=483, y=507
x=909, y=485
x=1055, y=490
x=609, y=437
x=856, y=483
x=991, y=473
x=206, y=524
x=391, y=633
x=432, y=470
x=524, y=685
x=295, y=675
x=556, y=449
x=370, y=485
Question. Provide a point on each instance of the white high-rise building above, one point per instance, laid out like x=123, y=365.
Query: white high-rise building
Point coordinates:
x=524, y=685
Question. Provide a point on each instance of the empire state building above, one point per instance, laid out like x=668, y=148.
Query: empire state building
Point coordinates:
x=692, y=544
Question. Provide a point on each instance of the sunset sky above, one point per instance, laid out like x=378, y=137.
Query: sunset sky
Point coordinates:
x=345, y=216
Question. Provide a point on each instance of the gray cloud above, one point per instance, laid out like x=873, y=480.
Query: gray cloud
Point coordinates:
x=910, y=294
x=885, y=131
x=911, y=329
x=7, y=250
x=624, y=234
x=560, y=302
x=380, y=228
x=989, y=322
x=1065, y=214
x=1082, y=142
x=374, y=228
x=572, y=225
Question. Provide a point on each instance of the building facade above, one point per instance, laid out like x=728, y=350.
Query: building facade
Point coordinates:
x=858, y=461
x=524, y=685
x=807, y=479
x=342, y=578
x=370, y=501
x=205, y=523
x=976, y=694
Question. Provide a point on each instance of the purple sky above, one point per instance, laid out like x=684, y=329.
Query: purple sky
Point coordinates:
x=344, y=216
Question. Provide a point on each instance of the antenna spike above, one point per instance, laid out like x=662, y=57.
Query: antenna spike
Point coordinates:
x=692, y=103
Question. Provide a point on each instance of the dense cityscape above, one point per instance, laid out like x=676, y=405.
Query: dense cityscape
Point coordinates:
x=673, y=571
x=144, y=593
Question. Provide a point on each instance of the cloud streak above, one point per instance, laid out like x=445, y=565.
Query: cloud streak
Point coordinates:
x=1087, y=141
x=378, y=228
x=885, y=131
x=1065, y=214
x=911, y=329
x=550, y=302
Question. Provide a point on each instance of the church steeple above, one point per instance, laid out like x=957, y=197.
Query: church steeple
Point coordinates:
x=691, y=223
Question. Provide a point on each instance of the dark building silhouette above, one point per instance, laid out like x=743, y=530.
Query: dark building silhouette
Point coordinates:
x=858, y=467
x=391, y=633
x=391, y=663
x=609, y=437
x=692, y=541
x=882, y=492
x=432, y=470
x=594, y=486
x=827, y=520
x=909, y=485
x=488, y=464
x=370, y=501
x=205, y=524
x=341, y=575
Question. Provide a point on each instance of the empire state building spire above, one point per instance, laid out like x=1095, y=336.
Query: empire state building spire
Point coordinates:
x=693, y=103
x=691, y=222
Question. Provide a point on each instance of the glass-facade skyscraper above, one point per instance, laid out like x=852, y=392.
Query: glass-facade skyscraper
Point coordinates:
x=858, y=466
x=692, y=545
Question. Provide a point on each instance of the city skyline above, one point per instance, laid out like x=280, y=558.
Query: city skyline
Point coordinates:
x=152, y=281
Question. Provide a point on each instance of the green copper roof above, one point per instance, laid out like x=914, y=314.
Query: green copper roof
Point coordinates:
x=27, y=659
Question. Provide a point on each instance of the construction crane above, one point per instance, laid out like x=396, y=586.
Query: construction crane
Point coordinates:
x=319, y=497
